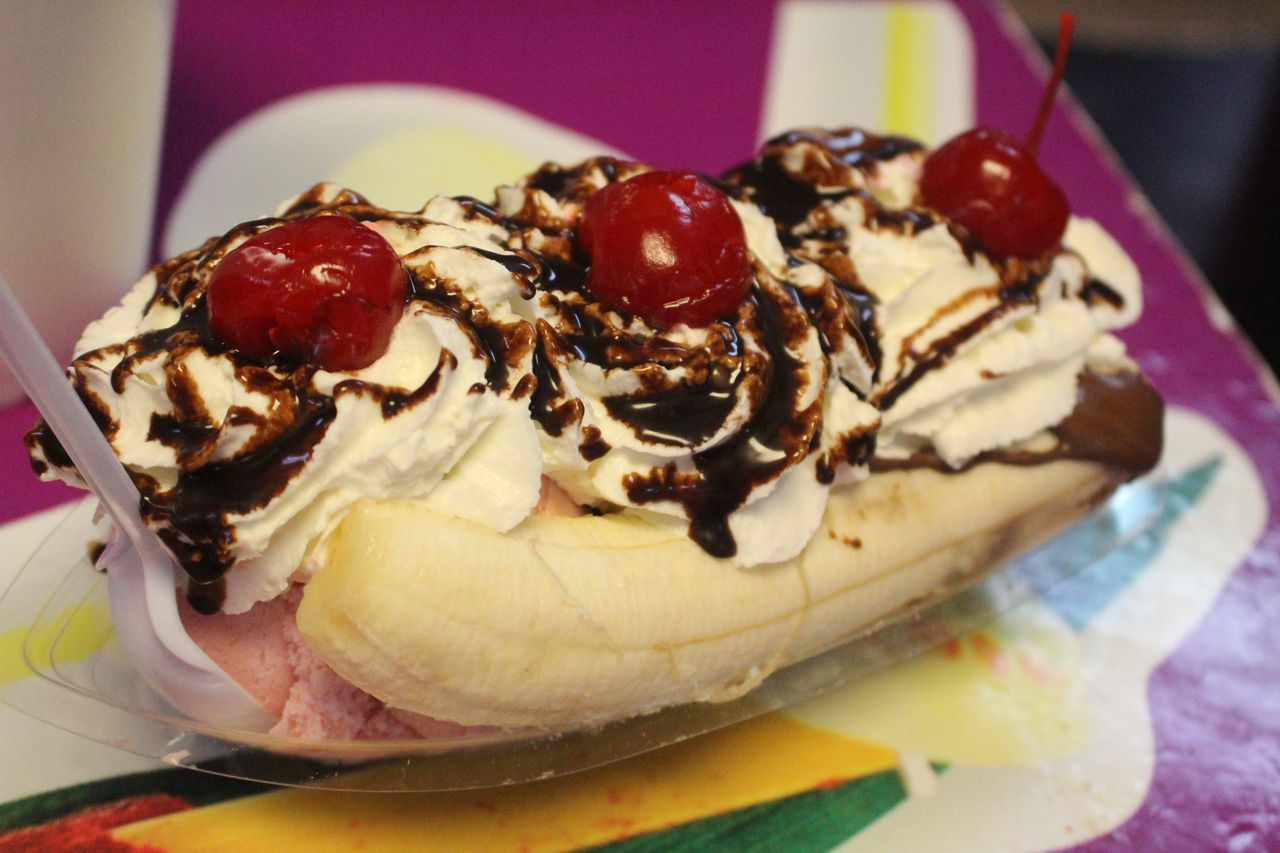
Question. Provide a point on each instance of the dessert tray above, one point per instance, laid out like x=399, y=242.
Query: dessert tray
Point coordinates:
x=82, y=682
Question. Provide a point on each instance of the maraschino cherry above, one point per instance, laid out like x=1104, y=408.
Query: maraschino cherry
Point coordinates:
x=666, y=246
x=324, y=290
x=989, y=183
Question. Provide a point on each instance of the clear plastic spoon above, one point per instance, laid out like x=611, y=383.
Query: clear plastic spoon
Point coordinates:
x=143, y=575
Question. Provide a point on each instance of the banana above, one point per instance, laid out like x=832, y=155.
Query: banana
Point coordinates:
x=567, y=622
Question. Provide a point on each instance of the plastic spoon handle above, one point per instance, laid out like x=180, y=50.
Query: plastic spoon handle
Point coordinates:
x=42, y=378
x=46, y=384
x=142, y=583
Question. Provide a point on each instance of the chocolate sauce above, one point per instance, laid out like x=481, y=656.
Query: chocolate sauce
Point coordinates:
x=785, y=198
x=907, y=220
x=562, y=275
x=191, y=517
x=854, y=448
x=570, y=184
x=186, y=438
x=584, y=333
x=684, y=416
x=474, y=207
x=41, y=438
x=207, y=598
x=191, y=329
x=174, y=277
x=1096, y=290
x=514, y=263
x=392, y=402
x=588, y=332
x=778, y=436
x=863, y=310
x=1010, y=297
x=1118, y=421
x=593, y=444
x=789, y=199
x=500, y=344
x=188, y=429
x=548, y=404
x=841, y=310
x=854, y=146
x=551, y=179
x=313, y=201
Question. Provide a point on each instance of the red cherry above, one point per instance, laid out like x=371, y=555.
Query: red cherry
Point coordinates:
x=986, y=181
x=326, y=290
x=666, y=246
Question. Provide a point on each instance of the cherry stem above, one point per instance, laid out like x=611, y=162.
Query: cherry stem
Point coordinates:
x=1066, y=24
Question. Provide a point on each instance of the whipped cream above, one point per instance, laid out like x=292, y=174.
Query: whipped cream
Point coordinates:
x=974, y=353
x=245, y=468
x=719, y=430
x=875, y=331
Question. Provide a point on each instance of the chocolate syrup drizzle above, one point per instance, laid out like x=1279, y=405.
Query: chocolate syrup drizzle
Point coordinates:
x=191, y=514
x=795, y=196
x=790, y=198
x=715, y=378
x=1023, y=292
x=1097, y=291
x=779, y=436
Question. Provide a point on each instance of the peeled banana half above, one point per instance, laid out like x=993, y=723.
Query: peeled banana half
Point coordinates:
x=570, y=622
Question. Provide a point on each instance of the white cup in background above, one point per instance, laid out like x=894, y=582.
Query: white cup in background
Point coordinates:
x=82, y=93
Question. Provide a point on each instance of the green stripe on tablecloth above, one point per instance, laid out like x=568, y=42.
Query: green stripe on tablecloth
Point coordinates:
x=813, y=821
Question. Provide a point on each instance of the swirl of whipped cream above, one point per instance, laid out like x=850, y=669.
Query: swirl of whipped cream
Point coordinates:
x=244, y=467
x=872, y=326
x=973, y=352
x=712, y=429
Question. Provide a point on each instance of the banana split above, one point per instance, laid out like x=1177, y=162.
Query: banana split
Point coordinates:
x=614, y=439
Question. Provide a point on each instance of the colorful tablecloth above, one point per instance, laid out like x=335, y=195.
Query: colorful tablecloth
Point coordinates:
x=1134, y=708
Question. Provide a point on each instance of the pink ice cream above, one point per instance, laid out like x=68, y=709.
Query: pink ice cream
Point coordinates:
x=263, y=651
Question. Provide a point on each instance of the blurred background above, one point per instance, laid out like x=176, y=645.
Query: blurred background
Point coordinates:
x=1188, y=94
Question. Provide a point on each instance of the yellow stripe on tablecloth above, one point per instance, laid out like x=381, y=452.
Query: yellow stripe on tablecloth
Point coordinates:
x=77, y=633
x=908, y=73
x=754, y=762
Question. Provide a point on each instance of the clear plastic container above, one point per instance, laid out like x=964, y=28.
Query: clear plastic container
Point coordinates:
x=83, y=683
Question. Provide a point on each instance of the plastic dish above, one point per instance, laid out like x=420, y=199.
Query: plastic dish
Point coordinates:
x=82, y=682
